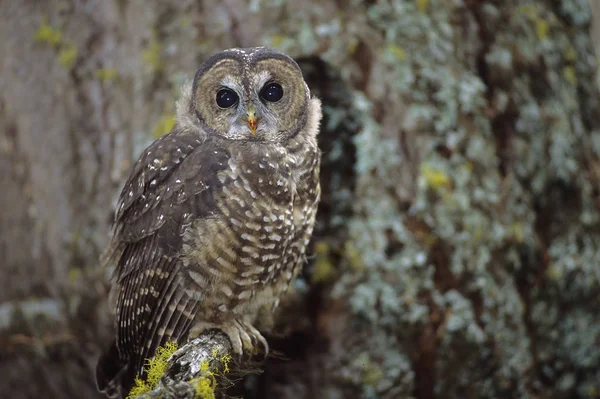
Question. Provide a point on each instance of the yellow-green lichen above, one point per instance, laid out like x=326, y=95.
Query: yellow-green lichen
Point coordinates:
x=155, y=369
x=371, y=374
x=277, y=40
x=542, y=23
x=152, y=55
x=281, y=42
x=517, y=231
x=435, y=178
x=225, y=360
x=204, y=386
x=67, y=55
x=553, y=272
x=353, y=256
x=422, y=5
x=570, y=75
x=140, y=387
x=74, y=275
x=185, y=21
x=323, y=270
x=53, y=37
x=48, y=35
x=570, y=53
x=397, y=51
x=107, y=74
x=542, y=27
x=164, y=125
x=206, y=383
x=351, y=47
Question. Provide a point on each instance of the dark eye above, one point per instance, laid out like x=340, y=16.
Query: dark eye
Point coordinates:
x=272, y=92
x=226, y=98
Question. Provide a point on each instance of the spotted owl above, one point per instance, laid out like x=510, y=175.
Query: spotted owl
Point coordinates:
x=213, y=223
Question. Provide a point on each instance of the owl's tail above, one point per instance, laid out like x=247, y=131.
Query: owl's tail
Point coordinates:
x=114, y=376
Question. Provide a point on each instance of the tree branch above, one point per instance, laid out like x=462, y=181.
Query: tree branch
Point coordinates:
x=195, y=369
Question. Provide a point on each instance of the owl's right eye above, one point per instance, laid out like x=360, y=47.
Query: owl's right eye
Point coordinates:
x=226, y=98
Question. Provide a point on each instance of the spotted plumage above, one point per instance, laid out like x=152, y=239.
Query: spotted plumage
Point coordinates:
x=214, y=221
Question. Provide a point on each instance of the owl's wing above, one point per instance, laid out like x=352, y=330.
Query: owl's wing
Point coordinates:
x=171, y=185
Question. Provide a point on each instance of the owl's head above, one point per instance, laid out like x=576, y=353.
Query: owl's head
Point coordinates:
x=253, y=94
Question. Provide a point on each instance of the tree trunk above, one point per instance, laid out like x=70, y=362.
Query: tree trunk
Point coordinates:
x=457, y=252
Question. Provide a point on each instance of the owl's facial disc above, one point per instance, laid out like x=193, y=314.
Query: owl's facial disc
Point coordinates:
x=255, y=95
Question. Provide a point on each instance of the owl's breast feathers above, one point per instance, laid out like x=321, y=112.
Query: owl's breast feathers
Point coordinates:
x=205, y=229
x=246, y=258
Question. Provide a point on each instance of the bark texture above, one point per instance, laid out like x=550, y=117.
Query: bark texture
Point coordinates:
x=457, y=253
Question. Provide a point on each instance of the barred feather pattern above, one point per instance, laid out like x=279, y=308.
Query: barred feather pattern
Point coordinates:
x=213, y=223
x=208, y=230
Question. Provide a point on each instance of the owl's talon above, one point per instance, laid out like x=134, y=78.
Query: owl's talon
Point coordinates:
x=257, y=337
x=242, y=335
x=236, y=340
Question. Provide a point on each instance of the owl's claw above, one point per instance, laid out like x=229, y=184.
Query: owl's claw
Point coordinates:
x=256, y=337
x=243, y=335
x=239, y=338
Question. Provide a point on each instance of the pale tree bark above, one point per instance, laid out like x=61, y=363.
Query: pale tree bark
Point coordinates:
x=458, y=245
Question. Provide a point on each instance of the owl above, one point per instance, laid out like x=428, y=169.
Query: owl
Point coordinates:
x=213, y=223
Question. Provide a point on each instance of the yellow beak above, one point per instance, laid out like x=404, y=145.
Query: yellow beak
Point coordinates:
x=252, y=121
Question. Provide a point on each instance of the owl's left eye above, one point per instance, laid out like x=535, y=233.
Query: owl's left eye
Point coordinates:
x=226, y=98
x=272, y=92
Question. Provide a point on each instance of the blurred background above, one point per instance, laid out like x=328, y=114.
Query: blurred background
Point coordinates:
x=457, y=252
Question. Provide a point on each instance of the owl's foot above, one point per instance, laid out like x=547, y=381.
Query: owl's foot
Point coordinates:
x=244, y=336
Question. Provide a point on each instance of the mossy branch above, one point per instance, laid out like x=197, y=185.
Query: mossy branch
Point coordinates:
x=193, y=371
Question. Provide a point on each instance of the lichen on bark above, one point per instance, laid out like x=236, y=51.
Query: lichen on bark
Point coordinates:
x=457, y=248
